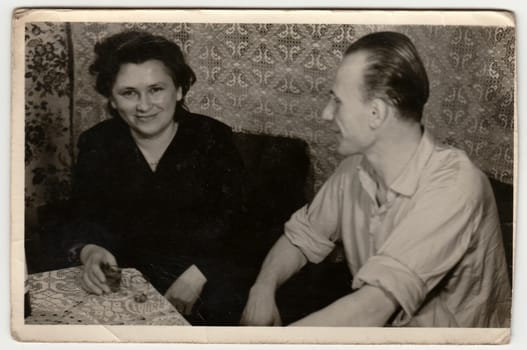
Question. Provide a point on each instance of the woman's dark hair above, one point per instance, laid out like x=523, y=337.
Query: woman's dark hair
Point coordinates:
x=138, y=47
x=394, y=72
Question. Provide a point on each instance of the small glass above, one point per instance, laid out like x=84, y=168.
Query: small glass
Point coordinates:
x=113, y=276
x=138, y=285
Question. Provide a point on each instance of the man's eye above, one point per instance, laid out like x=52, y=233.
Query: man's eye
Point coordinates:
x=156, y=89
x=334, y=101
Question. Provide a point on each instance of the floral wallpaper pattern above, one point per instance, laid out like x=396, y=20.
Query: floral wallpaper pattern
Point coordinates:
x=275, y=79
x=48, y=149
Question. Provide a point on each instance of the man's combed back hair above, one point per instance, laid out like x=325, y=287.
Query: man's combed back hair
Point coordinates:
x=394, y=72
x=138, y=47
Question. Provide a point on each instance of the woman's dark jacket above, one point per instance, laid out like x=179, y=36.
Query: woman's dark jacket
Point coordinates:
x=161, y=222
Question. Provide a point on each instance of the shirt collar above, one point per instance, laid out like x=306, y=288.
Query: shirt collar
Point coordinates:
x=406, y=183
x=365, y=176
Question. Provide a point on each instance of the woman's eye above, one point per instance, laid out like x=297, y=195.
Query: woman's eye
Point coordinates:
x=128, y=93
x=156, y=89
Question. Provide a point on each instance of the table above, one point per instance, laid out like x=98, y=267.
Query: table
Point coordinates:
x=58, y=298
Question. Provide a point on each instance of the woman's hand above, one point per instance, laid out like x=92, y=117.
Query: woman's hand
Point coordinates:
x=186, y=289
x=261, y=309
x=93, y=279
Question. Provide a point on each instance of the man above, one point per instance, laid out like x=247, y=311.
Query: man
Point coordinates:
x=417, y=220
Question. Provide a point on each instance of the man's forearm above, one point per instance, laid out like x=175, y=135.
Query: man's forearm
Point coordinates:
x=282, y=261
x=367, y=307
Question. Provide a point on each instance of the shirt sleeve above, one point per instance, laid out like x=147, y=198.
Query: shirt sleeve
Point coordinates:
x=425, y=246
x=315, y=227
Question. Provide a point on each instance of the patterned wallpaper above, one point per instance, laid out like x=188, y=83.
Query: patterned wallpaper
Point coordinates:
x=48, y=147
x=275, y=78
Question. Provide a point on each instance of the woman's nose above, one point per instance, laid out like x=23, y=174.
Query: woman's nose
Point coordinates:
x=144, y=103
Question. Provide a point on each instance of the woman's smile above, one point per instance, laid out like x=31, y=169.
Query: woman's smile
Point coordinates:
x=146, y=117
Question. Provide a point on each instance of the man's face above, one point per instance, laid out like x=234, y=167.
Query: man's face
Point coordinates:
x=346, y=109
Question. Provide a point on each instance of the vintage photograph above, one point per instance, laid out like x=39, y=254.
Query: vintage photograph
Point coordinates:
x=264, y=169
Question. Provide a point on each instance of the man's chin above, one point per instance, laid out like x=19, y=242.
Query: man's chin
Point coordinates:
x=344, y=151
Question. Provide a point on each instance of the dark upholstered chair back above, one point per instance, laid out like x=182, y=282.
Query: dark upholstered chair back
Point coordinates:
x=278, y=174
x=279, y=182
x=504, y=194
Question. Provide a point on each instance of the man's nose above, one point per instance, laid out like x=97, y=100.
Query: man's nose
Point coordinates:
x=144, y=103
x=328, y=112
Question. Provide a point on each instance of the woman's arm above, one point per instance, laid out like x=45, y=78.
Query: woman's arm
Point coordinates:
x=85, y=225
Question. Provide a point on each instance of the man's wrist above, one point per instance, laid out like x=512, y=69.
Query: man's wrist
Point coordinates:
x=266, y=282
x=263, y=288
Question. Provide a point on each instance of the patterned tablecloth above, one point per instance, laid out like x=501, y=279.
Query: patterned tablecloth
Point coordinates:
x=58, y=298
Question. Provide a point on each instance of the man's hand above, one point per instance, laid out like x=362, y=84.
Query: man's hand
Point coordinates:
x=261, y=309
x=92, y=278
x=282, y=262
x=186, y=289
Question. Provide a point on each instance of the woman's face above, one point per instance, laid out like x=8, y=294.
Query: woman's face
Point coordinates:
x=145, y=96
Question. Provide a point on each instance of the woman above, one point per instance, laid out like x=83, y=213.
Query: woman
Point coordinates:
x=156, y=187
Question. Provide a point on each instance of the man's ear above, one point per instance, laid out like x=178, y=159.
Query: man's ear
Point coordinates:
x=378, y=113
